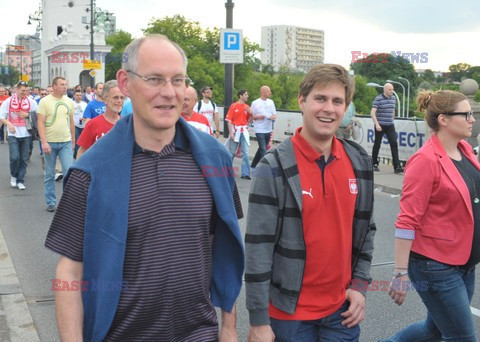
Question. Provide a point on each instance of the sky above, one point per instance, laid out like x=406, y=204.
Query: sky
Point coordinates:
x=449, y=32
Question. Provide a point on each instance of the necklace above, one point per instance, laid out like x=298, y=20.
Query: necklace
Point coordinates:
x=464, y=172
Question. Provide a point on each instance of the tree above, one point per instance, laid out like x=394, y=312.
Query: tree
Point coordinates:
x=429, y=76
x=458, y=71
x=113, y=60
x=8, y=75
x=380, y=67
x=364, y=95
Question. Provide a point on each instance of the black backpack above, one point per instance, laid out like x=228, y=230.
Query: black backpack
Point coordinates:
x=200, y=105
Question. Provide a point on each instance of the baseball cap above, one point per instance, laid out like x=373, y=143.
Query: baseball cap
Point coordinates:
x=206, y=88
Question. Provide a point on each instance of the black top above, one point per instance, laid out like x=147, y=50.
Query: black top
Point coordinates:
x=471, y=176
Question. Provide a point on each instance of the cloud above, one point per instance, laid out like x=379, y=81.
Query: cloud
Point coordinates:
x=408, y=16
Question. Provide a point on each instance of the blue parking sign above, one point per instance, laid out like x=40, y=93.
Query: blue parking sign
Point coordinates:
x=231, y=41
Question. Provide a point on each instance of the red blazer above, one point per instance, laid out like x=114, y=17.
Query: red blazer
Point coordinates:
x=436, y=203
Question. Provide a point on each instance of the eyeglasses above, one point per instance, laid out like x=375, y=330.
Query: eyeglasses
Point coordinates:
x=158, y=82
x=468, y=115
x=22, y=83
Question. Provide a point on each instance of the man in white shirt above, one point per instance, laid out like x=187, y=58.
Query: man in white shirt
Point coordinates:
x=14, y=113
x=209, y=109
x=79, y=106
x=264, y=113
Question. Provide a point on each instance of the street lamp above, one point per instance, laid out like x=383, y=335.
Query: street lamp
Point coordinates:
x=372, y=84
x=403, y=88
x=408, y=95
x=94, y=13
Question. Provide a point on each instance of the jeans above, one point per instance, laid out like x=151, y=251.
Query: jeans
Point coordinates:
x=19, y=149
x=232, y=146
x=2, y=132
x=262, y=139
x=78, y=131
x=64, y=152
x=447, y=298
x=389, y=131
x=328, y=329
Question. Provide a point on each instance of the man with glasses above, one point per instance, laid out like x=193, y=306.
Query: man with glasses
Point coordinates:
x=57, y=134
x=14, y=113
x=138, y=215
x=102, y=124
x=382, y=113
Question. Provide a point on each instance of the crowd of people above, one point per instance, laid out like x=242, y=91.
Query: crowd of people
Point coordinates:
x=154, y=271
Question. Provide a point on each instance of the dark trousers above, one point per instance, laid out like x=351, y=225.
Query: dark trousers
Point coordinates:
x=262, y=139
x=2, y=137
x=389, y=131
x=78, y=131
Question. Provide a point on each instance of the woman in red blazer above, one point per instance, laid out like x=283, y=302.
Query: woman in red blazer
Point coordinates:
x=437, y=236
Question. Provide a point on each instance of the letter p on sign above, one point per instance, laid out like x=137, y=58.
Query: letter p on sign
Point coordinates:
x=232, y=41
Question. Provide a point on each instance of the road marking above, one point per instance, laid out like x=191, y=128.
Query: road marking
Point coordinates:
x=476, y=312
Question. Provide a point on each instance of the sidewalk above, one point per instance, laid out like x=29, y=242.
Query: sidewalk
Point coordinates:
x=385, y=180
x=16, y=323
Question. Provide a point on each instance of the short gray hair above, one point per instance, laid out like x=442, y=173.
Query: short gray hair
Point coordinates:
x=109, y=86
x=131, y=51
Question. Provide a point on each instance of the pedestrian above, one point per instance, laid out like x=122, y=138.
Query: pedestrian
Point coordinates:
x=437, y=236
x=264, y=113
x=138, y=216
x=346, y=126
x=208, y=108
x=57, y=134
x=14, y=114
x=102, y=124
x=198, y=121
x=3, y=97
x=88, y=95
x=238, y=116
x=382, y=113
x=97, y=106
x=78, y=117
x=310, y=229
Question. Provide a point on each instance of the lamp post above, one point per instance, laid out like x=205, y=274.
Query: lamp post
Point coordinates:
x=408, y=94
x=228, y=85
x=372, y=84
x=403, y=88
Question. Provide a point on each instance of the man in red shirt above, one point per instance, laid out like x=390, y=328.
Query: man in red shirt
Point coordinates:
x=198, y=121
x=3, y=97
x=237, y=117
x=102, y=124
x=310, y=229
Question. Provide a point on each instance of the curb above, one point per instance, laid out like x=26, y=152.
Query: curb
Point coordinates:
x=387, y=189
x=16, y=323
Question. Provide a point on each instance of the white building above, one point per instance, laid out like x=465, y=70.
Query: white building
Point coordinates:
x=64, y=36
x=297, y=48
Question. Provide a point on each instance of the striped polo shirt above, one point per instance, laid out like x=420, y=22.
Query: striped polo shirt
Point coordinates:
x=168, y=259
x=385, y=109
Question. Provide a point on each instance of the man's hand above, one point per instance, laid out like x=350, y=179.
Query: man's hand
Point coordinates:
x=378, y=127
x=11, y=128
x=227, y=334
x=273, y=117
x=217, y=133
x=232, y=137
x=356, y=311
x=395, y=291
x=22, y=115
x=261, y=333
x=46, y=147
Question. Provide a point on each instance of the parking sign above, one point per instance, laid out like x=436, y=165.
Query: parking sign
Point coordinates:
x=231, y=46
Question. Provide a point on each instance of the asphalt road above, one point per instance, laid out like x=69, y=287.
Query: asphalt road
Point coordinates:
x=25, y=222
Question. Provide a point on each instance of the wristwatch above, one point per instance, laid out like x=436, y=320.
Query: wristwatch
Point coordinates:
x=399, y=274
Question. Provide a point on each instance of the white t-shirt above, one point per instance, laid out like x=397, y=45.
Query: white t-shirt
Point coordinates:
x=264, y=107
x=207, y=110
x=78, y=114
x=20, y=131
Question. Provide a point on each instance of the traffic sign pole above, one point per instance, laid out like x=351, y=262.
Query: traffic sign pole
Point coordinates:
x=228, y=86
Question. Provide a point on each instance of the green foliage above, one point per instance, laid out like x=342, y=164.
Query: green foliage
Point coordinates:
x=381, y=67
x=458, y=71
x=429, y=76
x=425, y=85
x=364, y=95
x=113, y=60
x=476, y=97
x=9, y=75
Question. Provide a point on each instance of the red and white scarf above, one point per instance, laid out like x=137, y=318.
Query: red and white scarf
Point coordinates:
x=18, y=106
